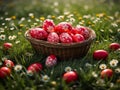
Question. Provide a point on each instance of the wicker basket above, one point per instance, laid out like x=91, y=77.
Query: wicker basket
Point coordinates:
x=62, y=51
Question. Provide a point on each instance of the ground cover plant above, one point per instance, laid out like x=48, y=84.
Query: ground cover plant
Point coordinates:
x=23, y=69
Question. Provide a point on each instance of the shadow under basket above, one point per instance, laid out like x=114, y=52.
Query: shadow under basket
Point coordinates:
x=61, y=50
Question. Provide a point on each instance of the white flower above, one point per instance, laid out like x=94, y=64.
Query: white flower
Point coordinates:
x=100, y=82
x=111, y=84
x=117, y=70
x=87, y=16
x=60, y=17
x=2, y=30
x=49, y=16
x=66, y=13
x=18, y=68
x=72, y=20
x=2, y=37
x=31, y=14
x=70, y=16
x=37, y=20
x=12, y=28
x=114, y=24
x=3, y=24
x=29, y=20
x=7, y=19
x=110, y=17
x=56, y=3
x=12, y=37
x=17, y=42
x=22, y=19
x=68, y=69
x=102, y=66
x=118, y=30
x=45, y=78
x=96, y=20
x=102, y=30
x=113, y=63
x=94, y=74
x=4, y=58
x=6, y=27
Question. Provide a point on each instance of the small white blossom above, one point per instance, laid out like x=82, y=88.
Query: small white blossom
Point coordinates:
x=29, y=20
x=87, y=16
x=113, y=63
x=2, y=37
x=6, y=27
x=66, y=13
x=68, y=69
x=2, y=30
x=22, y=19
x=72, y=20
x=102, y=66
x=94, y=74
x=18, y=68
x=3, y=24
x=110, y=17
x=70, y=16
x=37, y=20
x=49, y=16
x=114, y=24
x=31, y=14
x=60, y=17
x=117, y=70
x=45, y=78
x=56, y=4
x=7, y=19
x=4, y=58
x=17, y=42
x=118, y=30
x=12, y=28
x=12, y=37
x=111, y=84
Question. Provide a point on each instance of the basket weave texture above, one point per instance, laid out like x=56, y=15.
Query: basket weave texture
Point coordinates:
x=61, y=50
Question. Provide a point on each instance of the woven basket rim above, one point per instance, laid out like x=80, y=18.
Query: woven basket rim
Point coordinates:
x=60, y=45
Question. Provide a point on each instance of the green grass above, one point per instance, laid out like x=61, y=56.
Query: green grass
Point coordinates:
x=22, y=53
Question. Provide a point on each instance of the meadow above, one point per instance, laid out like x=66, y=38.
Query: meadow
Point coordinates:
x=16, y=17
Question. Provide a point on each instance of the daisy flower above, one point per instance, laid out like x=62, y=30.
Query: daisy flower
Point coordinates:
x=113, y=63
x=2, y=37
x=68, y=69
x=18, y=68
x=45, y=78
x=117, y=70
x=94, y=74
x=102, y=66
